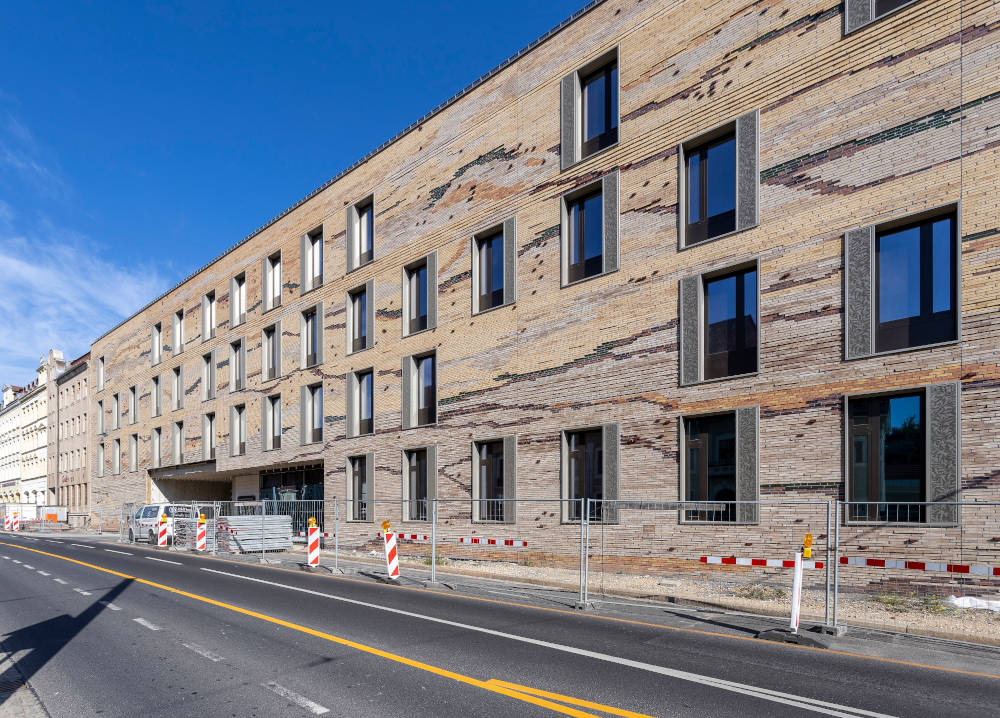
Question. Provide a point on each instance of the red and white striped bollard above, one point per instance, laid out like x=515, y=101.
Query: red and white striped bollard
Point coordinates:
x=6, y=522
x=391, y=556
x=202, y=540
x=162, y=542
x=16, y=522
x=312, y=540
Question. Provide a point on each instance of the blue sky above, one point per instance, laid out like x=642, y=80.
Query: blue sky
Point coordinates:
x=138, y=139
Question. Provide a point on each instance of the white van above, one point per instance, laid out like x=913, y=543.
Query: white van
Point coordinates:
x=144, y=525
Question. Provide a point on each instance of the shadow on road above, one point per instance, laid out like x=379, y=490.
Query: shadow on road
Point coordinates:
x=44, y=640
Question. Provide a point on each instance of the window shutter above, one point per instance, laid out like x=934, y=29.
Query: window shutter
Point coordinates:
x=278, y=348
x=232, y=303
x=302, y=341
x=265, y=423
x=609, y=195
x=405, y=471
x=857, y=13
x=350, y=237
x=612, y=440
x=303, y=253
x=747, y=484
x=510, y=479
x=405, y=293
x=567, y=121
x=405, y=401
x=350, y=388
x=265, y=294
x=859, y=247
x=432, y=290
x=370, y=313
x=319, y=333
x=152, y=345
x=509, y=261
x=303, y=414
x=180, y=386
x=747, y=170
x=690, y=333
x=370, y=480
x=944, y=481
x=432, y=477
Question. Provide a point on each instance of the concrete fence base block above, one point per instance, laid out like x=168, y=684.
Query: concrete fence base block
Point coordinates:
x=785, y=635
x=830, y=630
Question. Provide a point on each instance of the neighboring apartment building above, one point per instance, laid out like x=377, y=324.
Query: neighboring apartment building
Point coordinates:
x=69, y=408
x=24, y=424
x=713, y=251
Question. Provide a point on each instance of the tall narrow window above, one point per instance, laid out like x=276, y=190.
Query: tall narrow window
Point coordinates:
x=116, y=411
x=312, y=260
x=359, y=488
x=360, y=233
x=710, y=466
x=272, y=422
x=238, y=300
x=269, y=356
x=731, y=324
x=100, y=373
x=133, y=413
x=208, y=436
x=272, y=282
x=312, y=413
x=178, y=331
x=238, y=430
x=490, y=252
x=100, y=460
x=178, y=439
x=310, y=336
x=416, y=292
x=133, y=452
x=887, y=446
x=116, y=457
x=208, y=318
x=156, y=344
x=359, y=319
x=490, y=478
x=599, y=108
x=584, y=470
x=915, y=295
x=416, y=484
x=156, y=447
x=178, y=388
x=710, y=183
x=585, y=241
x=207, y=377
x=365, y=402
x=425, y=390
x=237, y=366
x=155, y=397
x=100, y=416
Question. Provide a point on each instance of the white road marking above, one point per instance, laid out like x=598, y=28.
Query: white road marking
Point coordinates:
x=123, y=553
x=51, y=541
x=110, y=605
x=301, y=701
x=82, y=592
x=203, y=652
x=28, y=567
x=147, y=624
x=15, y=560
x=163, y=560
x=80, y=545
x=7, y=557
x=43, y=573
x=59, y=580
x=812, y=704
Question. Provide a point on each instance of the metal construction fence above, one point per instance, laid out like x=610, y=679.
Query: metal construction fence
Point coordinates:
x=629, y=548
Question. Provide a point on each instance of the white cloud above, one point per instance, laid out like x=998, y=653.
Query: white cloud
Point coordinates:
x=57, y=292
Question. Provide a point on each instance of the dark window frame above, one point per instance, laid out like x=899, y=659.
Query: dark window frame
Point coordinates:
x=592, y=483
x=416, y=508
x=428, y=414
x=416, y=322
x=359, y=477
x=576, y=237
x=365, y=426
x=491, y=508
x=485, y=252
x=701, y=442
x=366, y=256
x=274, y=439
x=270, y=353
x=930, y=327
x=359, y=316
x=609, y=137
x=712, y=363
x=314, y=432
x=312, y=239
x=718, y=225
x=311, y=339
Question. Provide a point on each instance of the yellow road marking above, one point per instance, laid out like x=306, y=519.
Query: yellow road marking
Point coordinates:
x=567, y=699
x=444, y=673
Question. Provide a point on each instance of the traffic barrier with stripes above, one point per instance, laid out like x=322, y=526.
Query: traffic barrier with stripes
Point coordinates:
x=409, y=537
x=202, y=541
x=922, y=565
x=16, y=522
x=313, y=543
x=492, y=541
x=322, y=535
x=162, y=542
x=391, y=557
x=6, y=522
x=766, y=562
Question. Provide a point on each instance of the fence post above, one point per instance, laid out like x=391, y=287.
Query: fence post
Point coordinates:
x=836, y=559
x=826, y=595
x=336, y=535
x=263, y=508
x=586, y=553
x=580, y=603
x=434, y=523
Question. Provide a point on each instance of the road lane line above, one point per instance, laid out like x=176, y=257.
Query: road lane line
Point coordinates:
x=147, y=624
x=15, y=560
x=59, y=580
x=43, y=573
x=31, y=568
x=775, y=696
x=80, y=545
x=301, y=701
x=371, y=650
x=163, y=560
x=82, y=592
x=123, y=553
x=51, y=541
x=204, y=652
x=569, y=699
x=110, y=605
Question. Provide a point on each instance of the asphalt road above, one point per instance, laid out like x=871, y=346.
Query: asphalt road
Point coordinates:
x=101, y=629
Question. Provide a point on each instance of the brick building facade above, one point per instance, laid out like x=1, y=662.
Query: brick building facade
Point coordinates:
x=645, y=166
x=68, y=438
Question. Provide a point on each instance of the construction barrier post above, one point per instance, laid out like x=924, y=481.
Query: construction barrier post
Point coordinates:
x=16, y=525
x=162, y=542
x=6, y=522
x=313, y=542
x=434, y=521
x=202, y=539
x=391, y=555
x=836, y=558
x=583, y=507
x=336, y=535
x=826, y=594
x=796, y=593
